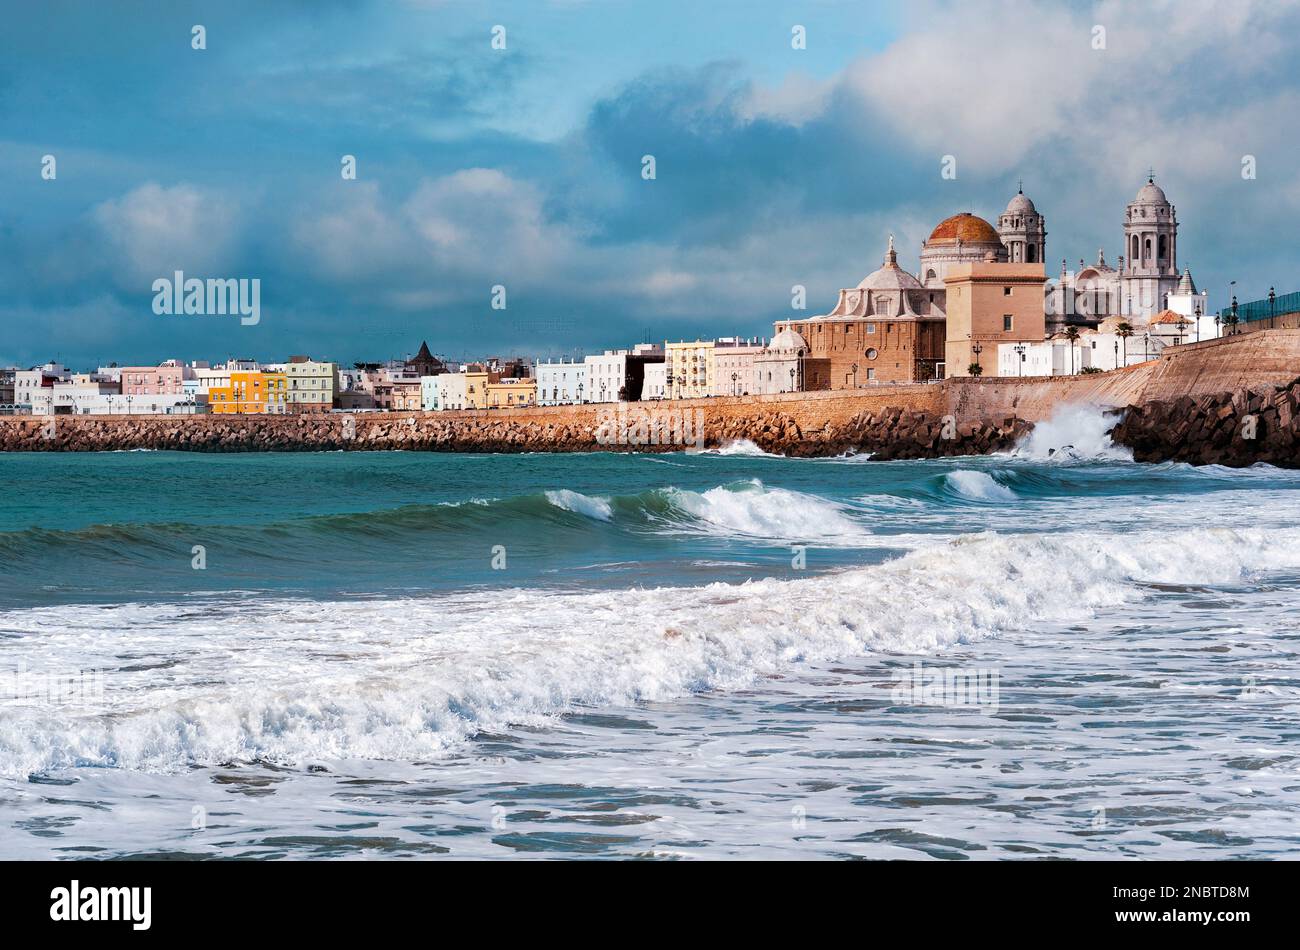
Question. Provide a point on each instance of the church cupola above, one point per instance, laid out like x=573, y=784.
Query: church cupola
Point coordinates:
x=1023, y=231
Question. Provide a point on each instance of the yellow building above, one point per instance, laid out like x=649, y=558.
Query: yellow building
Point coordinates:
x=508, y=393
x=476, y=388
x=313, y=386
x=690, y=369
x=251, y=391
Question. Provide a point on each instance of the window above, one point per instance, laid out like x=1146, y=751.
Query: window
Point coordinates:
x=1006, y=291
x=872, y=354
x=871, y=328
x=871, y=373
x=1006, y=322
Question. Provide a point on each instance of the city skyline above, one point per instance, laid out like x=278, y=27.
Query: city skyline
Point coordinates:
x=480, y=167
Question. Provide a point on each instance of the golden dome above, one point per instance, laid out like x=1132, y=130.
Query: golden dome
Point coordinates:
x=964, y=227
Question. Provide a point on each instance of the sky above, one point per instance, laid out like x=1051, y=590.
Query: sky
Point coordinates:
x=522, y=168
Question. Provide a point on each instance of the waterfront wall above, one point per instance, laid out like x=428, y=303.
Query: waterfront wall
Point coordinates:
x=956, y=417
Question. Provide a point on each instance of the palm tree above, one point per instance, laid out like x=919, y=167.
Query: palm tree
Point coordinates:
x=975, y=369
x=1072, y=334
x=1124, y=331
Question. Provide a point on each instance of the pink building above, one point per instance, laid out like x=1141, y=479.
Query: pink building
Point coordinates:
x=166, y=379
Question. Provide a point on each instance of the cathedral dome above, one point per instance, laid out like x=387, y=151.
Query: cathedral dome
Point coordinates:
x=1020, y=204
x=965, y=227
x=787, y=339
x=1150, y=194
x=890, y=276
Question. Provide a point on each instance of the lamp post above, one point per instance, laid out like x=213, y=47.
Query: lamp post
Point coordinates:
x=1116, y=366
x=855, y=375
x=791, y=379
x=1146, y=345
x=1272, y=318
x=735, y=388
x=977, y=349
x=1020, y=363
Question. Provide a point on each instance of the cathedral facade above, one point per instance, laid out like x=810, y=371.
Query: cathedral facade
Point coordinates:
x=892, y=327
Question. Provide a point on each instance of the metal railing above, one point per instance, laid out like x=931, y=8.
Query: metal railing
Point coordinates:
x=1264, y=309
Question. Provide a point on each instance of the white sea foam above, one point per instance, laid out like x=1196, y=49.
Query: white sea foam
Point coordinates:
x=1074, y=433
x=743, y=447
x=598, y=508
x=979, y=486
x=754, y=510
x=409, y=679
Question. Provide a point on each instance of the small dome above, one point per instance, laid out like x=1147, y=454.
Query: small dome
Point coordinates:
x=890, y=276
x=1150, y=194
x=787, y=339
x=1020, y=205
x=964, y=227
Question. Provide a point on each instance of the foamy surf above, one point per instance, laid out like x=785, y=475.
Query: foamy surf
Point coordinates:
x=415, y=678
x=1074, y=433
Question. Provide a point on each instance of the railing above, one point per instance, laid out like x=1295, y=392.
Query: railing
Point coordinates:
x=1264, y=309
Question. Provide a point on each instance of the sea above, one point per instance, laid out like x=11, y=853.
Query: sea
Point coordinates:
x=1052, y=652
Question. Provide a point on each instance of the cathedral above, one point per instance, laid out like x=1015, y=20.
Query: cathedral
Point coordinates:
x=891, y=327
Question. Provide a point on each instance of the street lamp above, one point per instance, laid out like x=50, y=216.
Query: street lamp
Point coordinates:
x=791, y=379
x=977, y=349
x=735, y=389
x=1116, y=366
x=1020, y=363
x=1272, y=319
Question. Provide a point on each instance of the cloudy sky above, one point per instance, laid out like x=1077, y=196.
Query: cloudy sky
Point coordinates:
x=522, y=167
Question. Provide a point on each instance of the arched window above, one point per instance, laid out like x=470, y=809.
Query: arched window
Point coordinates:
x=1032, y=254
x=1164, y=246
x=1135, y=255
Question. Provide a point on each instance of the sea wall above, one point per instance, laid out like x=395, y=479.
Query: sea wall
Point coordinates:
x=955, y=417
x=1255, y=361
x=810, y=427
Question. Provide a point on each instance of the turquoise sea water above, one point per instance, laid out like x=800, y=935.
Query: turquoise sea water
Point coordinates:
x=675, y=655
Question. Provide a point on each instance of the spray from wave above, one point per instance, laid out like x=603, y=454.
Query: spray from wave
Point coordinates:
x=1074, y=433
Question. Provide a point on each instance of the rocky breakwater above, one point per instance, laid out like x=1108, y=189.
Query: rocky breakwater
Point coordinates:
x=890, y=433
x=1231, y=428
x=886, y=433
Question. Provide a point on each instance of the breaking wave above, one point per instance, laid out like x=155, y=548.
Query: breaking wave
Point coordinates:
x=415, y=678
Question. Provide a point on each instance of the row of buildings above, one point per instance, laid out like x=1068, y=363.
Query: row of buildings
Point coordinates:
x=980, y=304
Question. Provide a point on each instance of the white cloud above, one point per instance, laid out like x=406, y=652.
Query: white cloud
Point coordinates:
x=154, y=230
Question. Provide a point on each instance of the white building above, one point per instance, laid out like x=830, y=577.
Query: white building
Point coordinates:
x=561, y=382
x=619, y=375
x=444, y=391
x=115, y=404
x=656, y=382
x=34, y=388
x=734, y=370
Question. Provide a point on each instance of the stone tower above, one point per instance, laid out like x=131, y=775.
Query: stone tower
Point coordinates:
x=1023, y=231
x=1151, y=243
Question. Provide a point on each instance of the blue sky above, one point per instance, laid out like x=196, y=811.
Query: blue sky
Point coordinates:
x=522, y=167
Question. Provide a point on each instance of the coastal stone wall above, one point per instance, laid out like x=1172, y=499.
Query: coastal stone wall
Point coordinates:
x=1229, y=428
x=1171, y=399
x=1259, y=361
x=893, y=431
